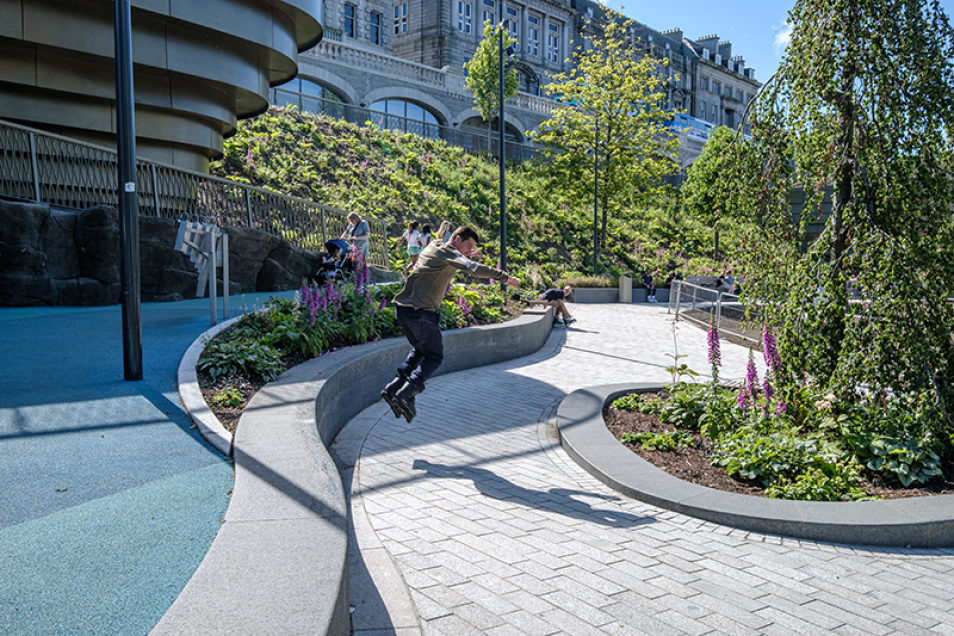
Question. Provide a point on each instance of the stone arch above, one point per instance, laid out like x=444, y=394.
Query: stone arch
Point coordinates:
x=471, y=117
x=334, y=83
x=414, y=96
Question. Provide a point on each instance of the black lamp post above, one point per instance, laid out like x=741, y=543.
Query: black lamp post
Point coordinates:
x=128, y=212
x=596, y=197
x=503, y=152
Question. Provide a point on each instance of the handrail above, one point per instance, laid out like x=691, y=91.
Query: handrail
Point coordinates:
x=39, y=166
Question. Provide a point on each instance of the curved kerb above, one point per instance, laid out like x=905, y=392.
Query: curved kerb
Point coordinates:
x=917, y=522
x=279, y=563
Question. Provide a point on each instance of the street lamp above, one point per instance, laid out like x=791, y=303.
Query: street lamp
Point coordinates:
x=596, y=195
x=503, y=152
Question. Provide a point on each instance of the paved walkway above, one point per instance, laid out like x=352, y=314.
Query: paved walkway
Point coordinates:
x=495, y=530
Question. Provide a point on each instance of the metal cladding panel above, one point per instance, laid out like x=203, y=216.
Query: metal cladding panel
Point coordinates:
x=11, y=19
x=198, y=65
x=78, y=25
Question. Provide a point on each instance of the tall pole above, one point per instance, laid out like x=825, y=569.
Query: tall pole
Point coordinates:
x=128, y=212
x=503, y=148
x=596, y=196
x=503, y=153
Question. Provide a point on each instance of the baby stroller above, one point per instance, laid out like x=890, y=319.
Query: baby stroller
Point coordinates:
x=335, y=262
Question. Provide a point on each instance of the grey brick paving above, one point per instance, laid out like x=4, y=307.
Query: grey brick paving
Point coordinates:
x=496, y=531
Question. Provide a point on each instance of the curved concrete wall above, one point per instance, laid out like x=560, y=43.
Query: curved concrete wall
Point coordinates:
x=198, y=66
x=279, y=564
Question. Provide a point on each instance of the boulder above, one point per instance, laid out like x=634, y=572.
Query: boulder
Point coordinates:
x=97, y=241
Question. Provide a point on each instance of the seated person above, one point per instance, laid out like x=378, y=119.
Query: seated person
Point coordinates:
x=725, y=283
x=650, y=287
x=555, y=298
x=328, y=262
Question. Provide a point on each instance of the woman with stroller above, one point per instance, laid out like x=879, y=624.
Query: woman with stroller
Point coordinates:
x=357, y=233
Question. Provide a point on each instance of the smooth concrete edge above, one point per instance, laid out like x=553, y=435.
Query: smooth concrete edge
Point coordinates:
x=295, y=420
x=917, y=522
x=191, y=395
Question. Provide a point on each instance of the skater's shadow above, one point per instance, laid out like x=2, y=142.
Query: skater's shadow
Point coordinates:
x=559, y=500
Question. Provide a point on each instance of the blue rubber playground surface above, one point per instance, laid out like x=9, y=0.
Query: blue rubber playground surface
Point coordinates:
x=109, y=499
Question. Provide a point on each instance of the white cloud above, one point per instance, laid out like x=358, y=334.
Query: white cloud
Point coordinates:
x=783, y=35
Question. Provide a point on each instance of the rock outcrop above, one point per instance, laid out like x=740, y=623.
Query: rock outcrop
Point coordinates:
x=51, y=256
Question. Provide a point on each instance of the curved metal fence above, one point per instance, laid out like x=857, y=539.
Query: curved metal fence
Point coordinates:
x=47, y=168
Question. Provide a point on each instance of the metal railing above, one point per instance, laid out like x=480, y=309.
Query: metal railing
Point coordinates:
x=705, y=305
x=47, y=168
x=470, y=140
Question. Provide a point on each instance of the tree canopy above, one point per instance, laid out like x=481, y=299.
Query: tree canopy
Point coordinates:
x=860, y=115
x=612, y=103
x=483, y=73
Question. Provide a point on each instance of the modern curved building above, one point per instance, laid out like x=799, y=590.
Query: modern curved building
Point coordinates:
x=198, y=67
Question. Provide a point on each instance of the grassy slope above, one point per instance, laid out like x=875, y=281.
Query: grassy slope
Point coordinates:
x=401, y=177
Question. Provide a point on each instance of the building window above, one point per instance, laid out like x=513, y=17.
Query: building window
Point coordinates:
x=400, y=18
x=688, y=81
x=704, y=83
x=553, y=44
x=533, y=35
x=490, y=12
x=512, y=24
x=702, y=110
x=463, y=16
x=716, y=87
x=739, y=95
x=349, y=20
x=728, y=91
x=715, y=114
x=374, y=22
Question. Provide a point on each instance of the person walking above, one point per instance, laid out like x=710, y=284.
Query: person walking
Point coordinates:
x=418, y=313
x=412, y=237
x=444, y=232
x=426, y=236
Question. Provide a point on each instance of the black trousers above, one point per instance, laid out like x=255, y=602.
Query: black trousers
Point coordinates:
x=422, y=329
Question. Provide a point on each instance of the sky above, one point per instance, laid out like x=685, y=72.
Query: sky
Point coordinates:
x=756, y=29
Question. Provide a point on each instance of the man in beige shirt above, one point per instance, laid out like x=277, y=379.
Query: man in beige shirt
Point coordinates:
x=418, y=313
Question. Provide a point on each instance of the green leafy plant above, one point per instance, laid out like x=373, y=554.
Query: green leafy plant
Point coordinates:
x=248, y=359
x=659, y=441
x=232, y=398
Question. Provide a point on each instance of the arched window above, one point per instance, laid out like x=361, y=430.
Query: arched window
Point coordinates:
x=310, y=97
x=399, y=114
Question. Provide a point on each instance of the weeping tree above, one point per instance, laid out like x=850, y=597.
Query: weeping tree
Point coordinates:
x=610, y=117
x=861, y=116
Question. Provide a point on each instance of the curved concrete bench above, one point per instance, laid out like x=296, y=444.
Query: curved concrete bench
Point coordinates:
x=918, y=522
x=279, y=563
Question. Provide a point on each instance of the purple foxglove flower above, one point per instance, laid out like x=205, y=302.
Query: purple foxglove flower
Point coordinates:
x=770, y=350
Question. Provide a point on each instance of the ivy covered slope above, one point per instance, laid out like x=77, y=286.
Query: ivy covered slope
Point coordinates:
x=402, y=177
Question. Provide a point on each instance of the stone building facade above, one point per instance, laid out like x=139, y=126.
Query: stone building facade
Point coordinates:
x=410, y=54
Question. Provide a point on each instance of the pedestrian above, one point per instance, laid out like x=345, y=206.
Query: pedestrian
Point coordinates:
x=556, y=298
x=426, y=236
x=418, y=313
x=358, y=234
x=412, y=238
x=650, y=286
x=444, y=232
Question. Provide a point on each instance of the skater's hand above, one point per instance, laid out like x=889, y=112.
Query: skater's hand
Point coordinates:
x=513, y=282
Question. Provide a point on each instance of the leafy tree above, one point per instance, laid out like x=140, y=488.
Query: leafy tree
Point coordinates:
x=483, y=74
x=861, y=111
x=611, y=96
x=704, y=195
